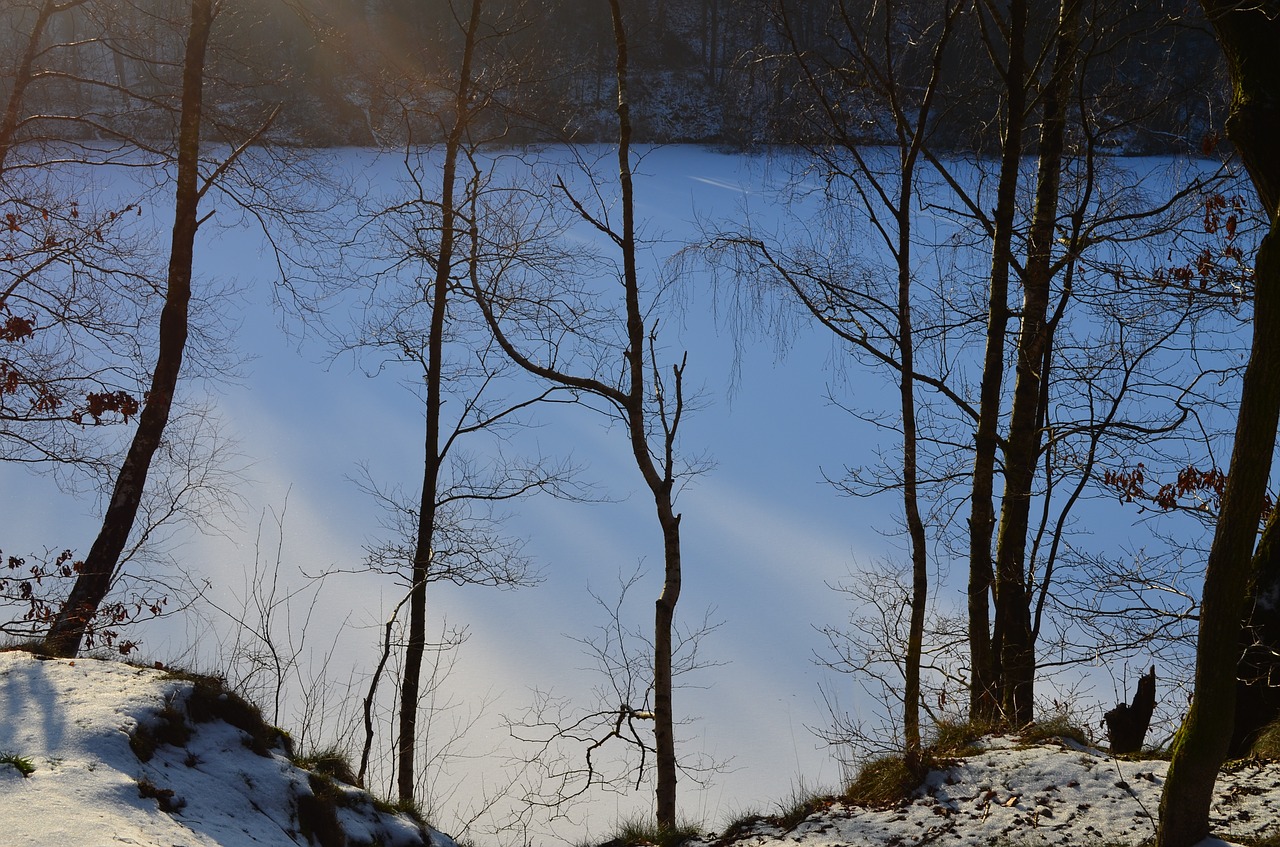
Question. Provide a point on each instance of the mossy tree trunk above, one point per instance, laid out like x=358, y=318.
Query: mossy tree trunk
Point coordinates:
x=1248, y=34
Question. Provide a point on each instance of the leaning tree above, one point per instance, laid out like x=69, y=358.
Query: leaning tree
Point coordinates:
x=1248, y=34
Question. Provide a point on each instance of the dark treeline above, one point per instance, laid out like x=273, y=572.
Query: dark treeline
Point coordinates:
x=362, y=72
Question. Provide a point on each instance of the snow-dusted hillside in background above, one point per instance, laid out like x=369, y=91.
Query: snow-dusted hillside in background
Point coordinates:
x=118, y=754
x=83, y=728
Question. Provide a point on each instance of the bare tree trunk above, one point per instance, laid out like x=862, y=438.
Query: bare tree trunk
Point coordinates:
x=910, y=128
x=984, y=644
x=664, y=625
x=910, y=483
x=1248, y=35
x=1202, y=742
x=912, y=141
x=415, y=647
x=1013, y=598
x=660, y=481
x=652, y=418
x=1127, y=723
x=98, y=570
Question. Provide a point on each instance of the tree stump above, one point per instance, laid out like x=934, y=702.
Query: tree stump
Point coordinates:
x=1127, y=723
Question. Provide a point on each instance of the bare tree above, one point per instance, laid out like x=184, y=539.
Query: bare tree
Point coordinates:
x=874, y=47
x=621, y=351
x=73, y=298
x=415, y=311
x=1095, y=378
x=96, y=573
x=101, y=564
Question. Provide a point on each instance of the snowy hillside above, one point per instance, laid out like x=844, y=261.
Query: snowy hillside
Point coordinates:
x=1017, y=795
x=96, y=753
x=116, y=754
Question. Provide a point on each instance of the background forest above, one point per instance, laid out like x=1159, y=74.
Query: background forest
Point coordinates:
x=1019, y=246
x=702, y=71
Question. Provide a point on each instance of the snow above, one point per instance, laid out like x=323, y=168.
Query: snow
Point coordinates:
x=1057, y=792
x=73, y=721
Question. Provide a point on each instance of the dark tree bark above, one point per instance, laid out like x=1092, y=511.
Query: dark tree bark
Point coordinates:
x=416, y=644
x=984, y=644
x=1248, y=34
x=1013, y=598
x=911, y=141
x=99, y=567
x=1127, y=723
x=660, y=480
x=880, y=59
x=1258, y=677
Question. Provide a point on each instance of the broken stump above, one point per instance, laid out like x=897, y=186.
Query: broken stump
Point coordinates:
x=1127, y=723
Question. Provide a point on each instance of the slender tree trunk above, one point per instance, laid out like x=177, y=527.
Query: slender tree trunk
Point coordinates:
x=1013, y=603
x=643, y=409
x=415, y=647
x=659, y=479
x=367, y=706
x=910, y=483
x=984, y=645
x=664, y=625
x=98, y=570
x=1248, y=35
x=912, y=142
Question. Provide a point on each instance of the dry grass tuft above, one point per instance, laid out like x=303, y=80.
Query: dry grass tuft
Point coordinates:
x=1057, y=726
x=1267, y=745
x=885, y=781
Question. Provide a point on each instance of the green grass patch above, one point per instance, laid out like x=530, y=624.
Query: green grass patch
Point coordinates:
x=167, y=726
x=23, y=765
x=739, y=824
x=411, y=809
x=888, y=780
x=34, y=646
x=210, y=700
x=318, y=813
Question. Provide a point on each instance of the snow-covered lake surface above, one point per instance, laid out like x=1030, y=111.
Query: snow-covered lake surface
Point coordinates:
x=765, y=537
